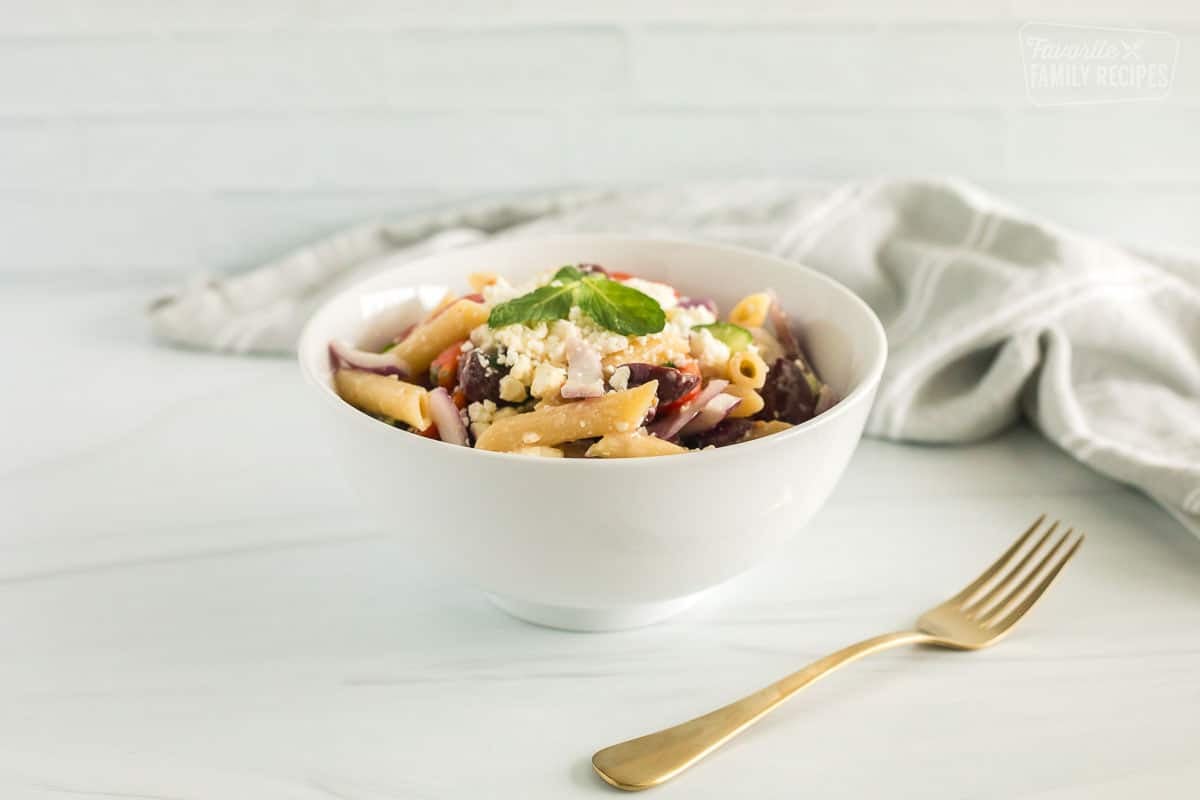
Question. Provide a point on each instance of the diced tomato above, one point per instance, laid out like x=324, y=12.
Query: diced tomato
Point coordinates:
x=429, y=433
x=687, y=398
x=460, y=399
x=624, y=276
x=444, y=369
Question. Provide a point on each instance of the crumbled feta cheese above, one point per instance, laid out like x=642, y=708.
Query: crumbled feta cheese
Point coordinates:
x=522, y=368
x=481, y=337
x=500, y=291
x=685, y=318
x=531, y=437
x=523, y=349
x=547, y=379
x=664, y=295
x=483, y=412
x=620, y=379
x=599, y=339
x=561, y=332
x=563, y=329
x=535, y=356
x=709, y=350
x=519, y=339
x=512, y=390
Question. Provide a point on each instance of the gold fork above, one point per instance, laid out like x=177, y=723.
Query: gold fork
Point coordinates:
x=978, y=616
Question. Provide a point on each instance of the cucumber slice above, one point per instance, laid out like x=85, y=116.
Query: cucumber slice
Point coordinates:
x=735, y=337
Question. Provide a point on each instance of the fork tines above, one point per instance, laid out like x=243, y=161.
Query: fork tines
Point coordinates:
x=1019, y=577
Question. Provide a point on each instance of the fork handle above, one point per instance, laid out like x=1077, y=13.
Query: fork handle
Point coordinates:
x=657, y=757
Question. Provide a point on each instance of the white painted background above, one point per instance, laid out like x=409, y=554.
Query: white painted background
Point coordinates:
x=145, y=139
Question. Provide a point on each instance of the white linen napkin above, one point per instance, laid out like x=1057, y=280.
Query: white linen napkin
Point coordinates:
x=989, y=313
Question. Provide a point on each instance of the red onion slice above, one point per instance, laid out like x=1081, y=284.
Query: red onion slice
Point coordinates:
x=711, y=415
x=341, y=354
x=699, y=302
x=404, y=334
x=668, y=427
x=783, y=329
x=826, y=399
x=447, y=418
x=385, y=327
x=584, y=375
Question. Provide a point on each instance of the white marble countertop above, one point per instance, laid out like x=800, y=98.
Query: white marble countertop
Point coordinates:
x=191, y=607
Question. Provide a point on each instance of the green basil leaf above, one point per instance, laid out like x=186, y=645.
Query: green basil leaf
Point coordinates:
x=547, y=303
x=567, y=274
x=735, y=337
x=611, y=305
x=620, y=308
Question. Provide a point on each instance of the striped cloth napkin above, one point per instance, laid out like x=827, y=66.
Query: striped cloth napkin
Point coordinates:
x=990, y=315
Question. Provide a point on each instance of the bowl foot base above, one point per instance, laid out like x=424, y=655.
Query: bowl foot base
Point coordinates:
x=614, y=618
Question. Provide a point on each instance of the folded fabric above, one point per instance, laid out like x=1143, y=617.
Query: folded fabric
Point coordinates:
x=990, y=314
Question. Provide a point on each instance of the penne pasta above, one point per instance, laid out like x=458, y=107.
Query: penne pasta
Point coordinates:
x=384, y=396
x=479, y=280
x=633, y=445
x=550, y=400
x=747, y=369
x=616, y=412
x=447, y=299
x=751, y=310
x=438, y=332
x=751, y=404
x=762, y=428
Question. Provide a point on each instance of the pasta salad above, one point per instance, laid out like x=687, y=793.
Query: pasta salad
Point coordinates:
x=584, y=362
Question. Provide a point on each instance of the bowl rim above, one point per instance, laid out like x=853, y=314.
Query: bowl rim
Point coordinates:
x=862, y=391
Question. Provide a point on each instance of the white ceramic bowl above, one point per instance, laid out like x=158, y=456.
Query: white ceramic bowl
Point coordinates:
x=588, y=544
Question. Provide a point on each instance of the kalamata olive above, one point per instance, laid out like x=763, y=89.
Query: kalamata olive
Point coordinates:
x=595, y=269
x=672, y=383
x=787, y=394
x=479, y=376
x=726, y=432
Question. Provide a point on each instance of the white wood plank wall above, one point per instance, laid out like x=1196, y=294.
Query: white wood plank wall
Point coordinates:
x=143, y=139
